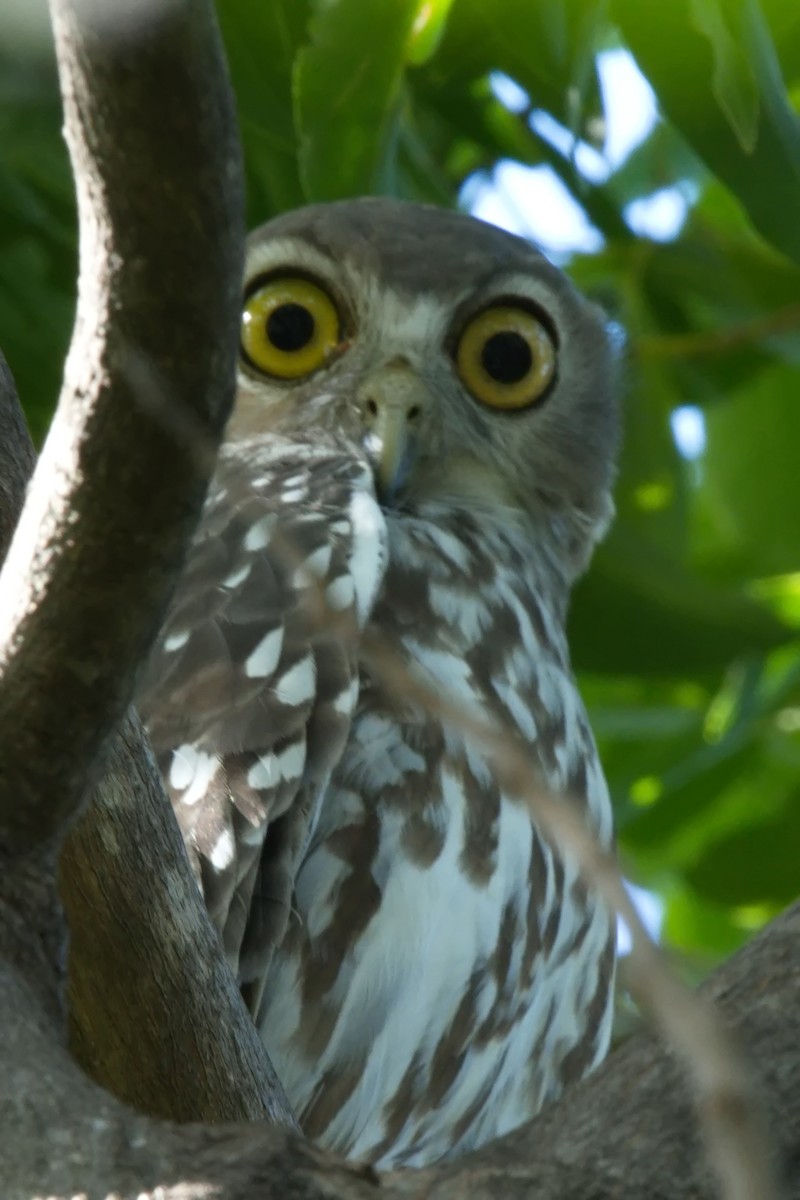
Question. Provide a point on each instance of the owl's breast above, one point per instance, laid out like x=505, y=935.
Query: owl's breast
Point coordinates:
x=433, y=988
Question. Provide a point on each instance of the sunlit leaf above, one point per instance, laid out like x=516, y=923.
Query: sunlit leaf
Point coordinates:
x=427, y=30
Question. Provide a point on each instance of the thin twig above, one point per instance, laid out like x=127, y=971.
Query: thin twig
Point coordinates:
x=731, y=1116
x=719, y=341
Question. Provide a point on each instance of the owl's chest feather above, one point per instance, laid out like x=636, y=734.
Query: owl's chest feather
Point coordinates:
x=427, y=904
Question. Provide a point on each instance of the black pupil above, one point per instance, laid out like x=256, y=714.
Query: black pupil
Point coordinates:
x=290, y=327
x=506, y=357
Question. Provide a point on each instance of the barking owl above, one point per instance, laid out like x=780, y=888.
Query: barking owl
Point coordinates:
x=422, y=448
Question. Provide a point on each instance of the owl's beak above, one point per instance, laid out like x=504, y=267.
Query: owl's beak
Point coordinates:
x=392, y=403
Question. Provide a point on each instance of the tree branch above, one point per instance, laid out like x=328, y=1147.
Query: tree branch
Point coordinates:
x=155, y=1014
x=149, y=119
x=17, y=458
x=151, y=129
x=32, y=933
x=719, y=341
x=627, y=1132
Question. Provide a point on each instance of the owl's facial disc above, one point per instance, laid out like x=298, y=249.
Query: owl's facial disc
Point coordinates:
x=391, y=400
x=466, y=365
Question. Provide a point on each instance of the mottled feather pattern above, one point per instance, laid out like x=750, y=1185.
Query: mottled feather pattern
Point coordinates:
x=426, y=913
x=249, y=694
x=429, y=914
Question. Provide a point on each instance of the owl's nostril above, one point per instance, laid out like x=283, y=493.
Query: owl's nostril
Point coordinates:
x=414, y=412
x=372, y=408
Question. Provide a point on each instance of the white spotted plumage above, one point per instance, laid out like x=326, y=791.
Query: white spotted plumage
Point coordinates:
x=425, y=971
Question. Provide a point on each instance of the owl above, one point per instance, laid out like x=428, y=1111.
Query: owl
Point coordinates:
x=422, y=450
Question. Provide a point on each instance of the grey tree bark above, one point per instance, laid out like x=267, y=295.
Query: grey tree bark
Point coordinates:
x=153, y=1012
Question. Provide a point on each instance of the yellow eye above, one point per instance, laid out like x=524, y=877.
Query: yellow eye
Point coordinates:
x=289, y=327
x=506, y=357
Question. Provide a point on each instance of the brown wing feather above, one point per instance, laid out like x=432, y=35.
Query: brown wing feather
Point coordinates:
x=249, y=694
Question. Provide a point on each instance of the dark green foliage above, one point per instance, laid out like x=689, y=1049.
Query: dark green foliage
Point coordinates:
x=686, y=631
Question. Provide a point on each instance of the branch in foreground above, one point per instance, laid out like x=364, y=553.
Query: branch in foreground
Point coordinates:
x=625, y=1133
x=150, y=125
x=155, y=1014
x=141, y=943
x=32, y=931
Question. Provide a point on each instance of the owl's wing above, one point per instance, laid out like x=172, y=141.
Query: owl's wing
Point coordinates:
x=249, y=694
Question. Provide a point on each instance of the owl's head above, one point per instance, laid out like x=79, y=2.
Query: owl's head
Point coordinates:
x=464, y=363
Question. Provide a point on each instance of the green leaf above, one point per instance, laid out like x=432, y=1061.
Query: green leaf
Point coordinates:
x=547, y=46
x=747, y=512
x=640, y=611
x=662, y=160
x=783, y=18
x=753, y=144
x=752, y=866
x=651, y=492
x=704, y=794
x=38, y=251
x=735, y=295
x=262, y=40
x=695, y=925
x=427, y=30
x=347, y=85
x=733, y=80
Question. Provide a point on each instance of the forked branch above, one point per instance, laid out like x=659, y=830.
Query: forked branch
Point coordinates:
x=151, y=128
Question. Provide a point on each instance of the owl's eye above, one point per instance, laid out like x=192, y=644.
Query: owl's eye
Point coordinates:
x=506, y=357
x=290, y=326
